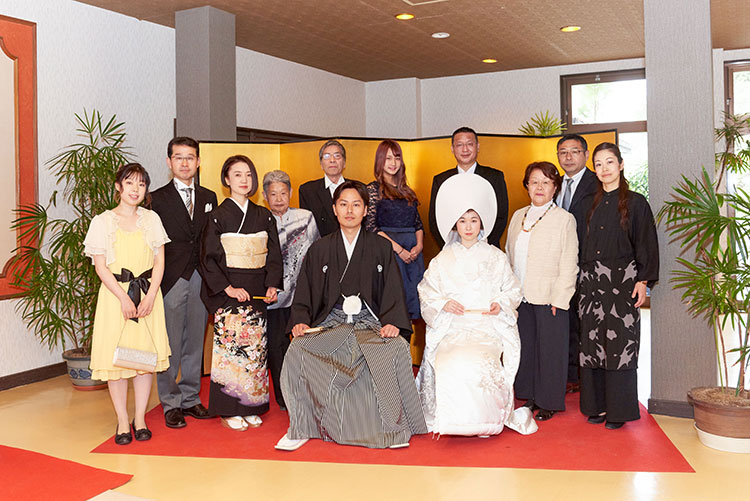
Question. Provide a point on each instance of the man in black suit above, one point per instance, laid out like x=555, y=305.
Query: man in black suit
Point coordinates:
x=578, y=184
x=183, y=207
x=317, y=196
x=465, y=147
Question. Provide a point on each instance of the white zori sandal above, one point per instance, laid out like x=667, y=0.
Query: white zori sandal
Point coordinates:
x=289, y=444
x=253, y=421
x=235, y=423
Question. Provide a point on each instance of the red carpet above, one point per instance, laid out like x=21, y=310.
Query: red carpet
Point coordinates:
x=30, y=475
x=566, y=442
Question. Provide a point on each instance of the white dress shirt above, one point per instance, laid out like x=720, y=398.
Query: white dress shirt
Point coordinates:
x=332, y=186
x=470, y=170
x=181, y=186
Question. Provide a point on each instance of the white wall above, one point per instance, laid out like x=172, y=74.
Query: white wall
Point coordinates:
x=394, y=108
x=499, y=102
x=94, y=59
x=274, y=94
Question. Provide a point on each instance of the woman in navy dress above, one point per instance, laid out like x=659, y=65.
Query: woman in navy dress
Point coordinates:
x=392, y=213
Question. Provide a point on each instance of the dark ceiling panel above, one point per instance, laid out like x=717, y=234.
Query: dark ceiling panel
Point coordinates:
x=361, y=38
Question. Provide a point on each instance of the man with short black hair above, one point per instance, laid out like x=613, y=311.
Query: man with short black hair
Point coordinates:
x=465, y=147
x=579, y=183
x=347, y=375
x=183, y=207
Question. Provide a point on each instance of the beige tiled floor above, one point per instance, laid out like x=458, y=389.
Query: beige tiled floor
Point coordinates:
x=52, y=418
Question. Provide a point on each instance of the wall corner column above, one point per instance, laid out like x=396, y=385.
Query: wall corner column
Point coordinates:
x=206, y=86
x=679, y=79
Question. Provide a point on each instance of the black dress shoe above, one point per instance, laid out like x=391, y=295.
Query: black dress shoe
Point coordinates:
x=544, y=415
x=597, y=419
x=531, y=405
x=612, y=425
x=141, y=435
x=123, y=438
x=174, y=418
x=197, y=411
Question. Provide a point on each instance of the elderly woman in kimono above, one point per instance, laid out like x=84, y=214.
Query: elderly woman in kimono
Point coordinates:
x=469, y=297
x=347, y=375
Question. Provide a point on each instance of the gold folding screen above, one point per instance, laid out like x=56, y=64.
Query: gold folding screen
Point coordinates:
x=423, y=157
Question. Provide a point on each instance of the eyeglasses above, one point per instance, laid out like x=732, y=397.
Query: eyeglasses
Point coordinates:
x=337, y=156
x=179, y=158
x=565, y=153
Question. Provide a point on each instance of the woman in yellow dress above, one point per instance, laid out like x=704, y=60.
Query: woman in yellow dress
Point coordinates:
x=126, y=245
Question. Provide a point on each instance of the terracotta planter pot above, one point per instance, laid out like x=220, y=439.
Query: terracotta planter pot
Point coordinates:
x=717, y=419
x=79, y=372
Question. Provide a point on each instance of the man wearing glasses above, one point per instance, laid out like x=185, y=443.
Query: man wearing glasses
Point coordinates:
x=317, y=196
x=465, y=148
x=578, y=184
x=183, y=207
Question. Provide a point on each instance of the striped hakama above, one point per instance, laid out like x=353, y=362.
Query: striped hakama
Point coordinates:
x=350, y=386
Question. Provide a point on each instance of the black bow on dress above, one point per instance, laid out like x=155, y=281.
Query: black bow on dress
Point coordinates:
x=137, y=284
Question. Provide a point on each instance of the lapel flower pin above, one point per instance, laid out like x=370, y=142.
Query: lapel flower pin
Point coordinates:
x=208, y=208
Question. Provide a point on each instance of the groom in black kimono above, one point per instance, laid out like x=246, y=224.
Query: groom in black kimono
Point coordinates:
x=347, y=375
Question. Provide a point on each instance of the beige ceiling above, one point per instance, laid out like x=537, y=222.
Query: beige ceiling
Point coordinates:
x=362, y=39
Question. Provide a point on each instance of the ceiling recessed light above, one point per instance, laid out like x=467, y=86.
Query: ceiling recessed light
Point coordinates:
x=441, y=34
x=489, y=60
x=405, y=16
x=570, y=29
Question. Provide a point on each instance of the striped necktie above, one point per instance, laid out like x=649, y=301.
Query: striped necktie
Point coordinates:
x=188, y=200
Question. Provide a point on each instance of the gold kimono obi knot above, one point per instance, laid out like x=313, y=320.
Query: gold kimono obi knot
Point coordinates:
x=246, y=251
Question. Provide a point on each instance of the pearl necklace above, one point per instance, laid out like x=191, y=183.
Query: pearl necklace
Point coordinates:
x=535, y=222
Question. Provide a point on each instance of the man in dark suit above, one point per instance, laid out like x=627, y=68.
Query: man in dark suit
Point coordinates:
x=317, y=196
x=578, y=184
x=465, y=147
x=183, y=207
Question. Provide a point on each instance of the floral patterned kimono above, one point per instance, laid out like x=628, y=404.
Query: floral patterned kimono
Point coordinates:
x=241, y=249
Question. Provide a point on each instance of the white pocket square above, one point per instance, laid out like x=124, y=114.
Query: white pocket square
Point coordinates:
x=208, y=208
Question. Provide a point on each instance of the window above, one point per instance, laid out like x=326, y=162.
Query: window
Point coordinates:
x=611, y=100
x=737, y=102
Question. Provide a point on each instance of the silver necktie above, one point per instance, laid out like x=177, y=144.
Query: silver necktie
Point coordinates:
x=567, y=194
x=188, y=200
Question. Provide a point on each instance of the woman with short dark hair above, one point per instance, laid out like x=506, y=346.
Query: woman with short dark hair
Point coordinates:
x=242, y=270
x=126, y=245
x=543, y=250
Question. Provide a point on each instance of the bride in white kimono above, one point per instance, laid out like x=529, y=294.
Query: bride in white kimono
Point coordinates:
x=469, y=295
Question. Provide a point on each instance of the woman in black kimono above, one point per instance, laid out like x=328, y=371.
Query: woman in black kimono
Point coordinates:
x=242, y=270
x=619, y=259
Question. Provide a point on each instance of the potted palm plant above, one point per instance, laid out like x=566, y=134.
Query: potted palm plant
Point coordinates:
x=712, y=226
x=59, y=283
x=542, y=124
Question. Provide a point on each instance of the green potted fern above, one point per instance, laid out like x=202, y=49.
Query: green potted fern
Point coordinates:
x=59, y=283
x=712, y=227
